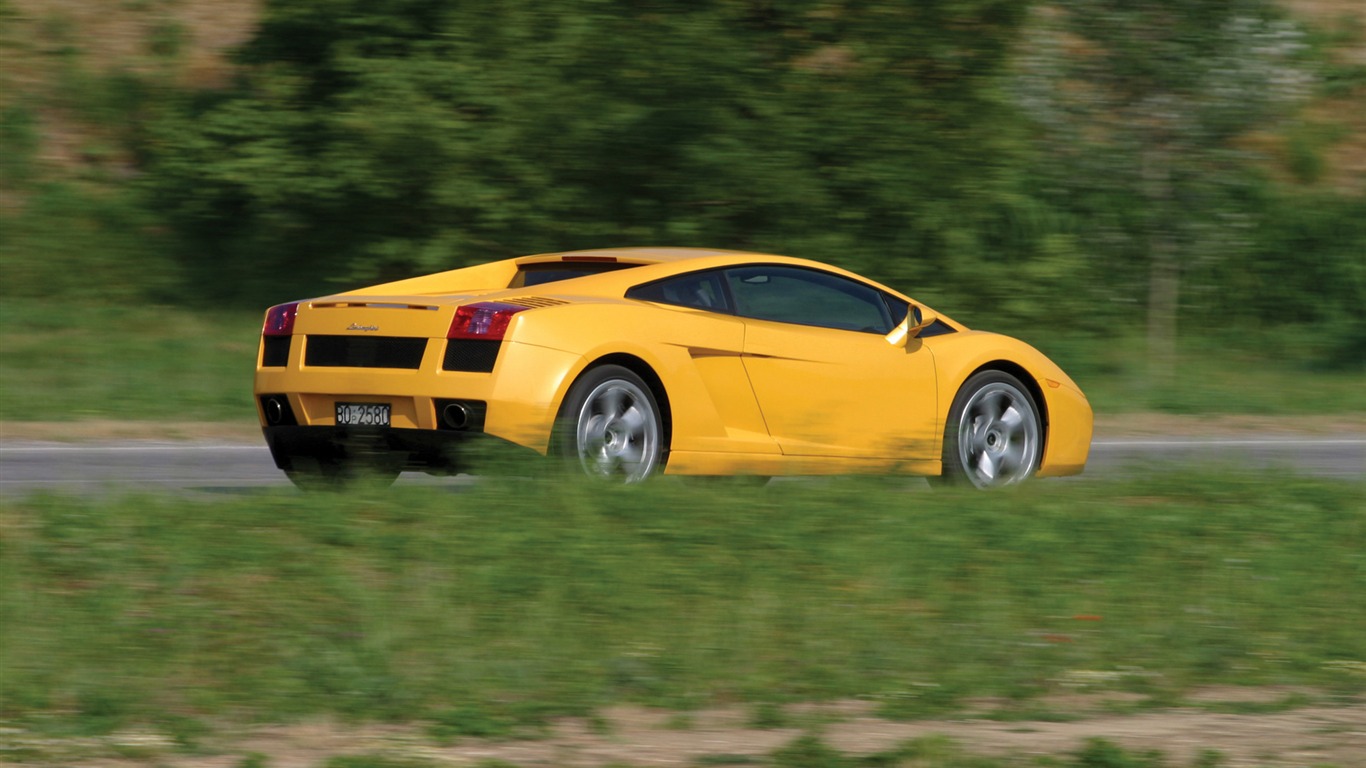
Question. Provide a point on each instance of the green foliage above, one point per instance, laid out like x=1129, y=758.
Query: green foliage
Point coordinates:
x=70, y=244
x=1099, y=753
x=964, y=151
x=395, y=139
x=1308, y=268
x=19, y=142
x=495, y=720
x=1140, y=108
x=489, y=612
x=809, y=751
x=82, y=235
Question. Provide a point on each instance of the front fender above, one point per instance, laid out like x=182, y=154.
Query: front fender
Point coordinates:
x=1067, y=417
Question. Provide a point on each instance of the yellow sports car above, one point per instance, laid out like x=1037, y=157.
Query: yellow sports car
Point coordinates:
x=636, y=361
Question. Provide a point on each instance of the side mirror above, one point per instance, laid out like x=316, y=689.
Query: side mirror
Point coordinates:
x=917, y=320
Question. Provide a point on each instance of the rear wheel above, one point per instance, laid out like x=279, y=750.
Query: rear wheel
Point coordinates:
x=610, y=426
x=993, y=435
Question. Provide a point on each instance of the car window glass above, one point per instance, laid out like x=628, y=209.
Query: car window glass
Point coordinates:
x=554, y=271
x=897, y=307
x=808, y=297
x=701, y=290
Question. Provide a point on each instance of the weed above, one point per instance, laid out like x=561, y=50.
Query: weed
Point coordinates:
x=809, y=751
x=1099, y=753
x=767, y=715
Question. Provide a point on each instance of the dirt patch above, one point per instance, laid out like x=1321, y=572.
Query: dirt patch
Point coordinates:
x=115, y=36
x=1312, y=735
x=108, y=430
x=1124, y=425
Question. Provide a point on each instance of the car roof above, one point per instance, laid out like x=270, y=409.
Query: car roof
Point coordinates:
x=637, y=255
x=649, y=264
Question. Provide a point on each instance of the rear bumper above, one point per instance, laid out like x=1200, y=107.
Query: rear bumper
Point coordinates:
x=519, y=395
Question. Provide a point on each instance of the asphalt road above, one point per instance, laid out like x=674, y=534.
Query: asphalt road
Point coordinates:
x=230, y=468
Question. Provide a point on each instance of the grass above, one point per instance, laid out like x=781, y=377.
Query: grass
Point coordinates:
x=1273, y=374
x=70, y=361
x=489, y=611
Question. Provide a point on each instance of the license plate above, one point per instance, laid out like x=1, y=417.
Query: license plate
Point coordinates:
x=362, y=414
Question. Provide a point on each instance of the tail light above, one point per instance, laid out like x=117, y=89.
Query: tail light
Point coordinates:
x=280, y=319
x=487, y=320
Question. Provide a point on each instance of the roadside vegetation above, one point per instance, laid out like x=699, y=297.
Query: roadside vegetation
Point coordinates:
x=1023, y=167
x=77, y=360
x=486, y=612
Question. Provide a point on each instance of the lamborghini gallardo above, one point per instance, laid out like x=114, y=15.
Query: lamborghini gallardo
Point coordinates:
x=628, y=363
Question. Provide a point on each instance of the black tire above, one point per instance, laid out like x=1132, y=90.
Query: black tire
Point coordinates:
x=994, y=435
x=610, y=426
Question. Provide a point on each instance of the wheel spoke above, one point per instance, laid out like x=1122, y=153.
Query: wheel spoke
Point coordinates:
x=631, y=455
x=633, y=420
x=594, y=431
x=986, y=468
x=1011, y=459
x=980, y=427
x=610, y=403
x=995, y=405
x=1012, y=419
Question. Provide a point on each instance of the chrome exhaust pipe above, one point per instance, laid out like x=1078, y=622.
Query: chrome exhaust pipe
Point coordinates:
x=456, y=415
x=275, y=411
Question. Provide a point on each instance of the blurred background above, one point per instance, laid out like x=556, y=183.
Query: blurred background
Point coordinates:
x=1167, y=196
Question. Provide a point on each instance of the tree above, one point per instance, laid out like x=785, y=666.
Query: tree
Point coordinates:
x=1140, y=104
x=374, y=138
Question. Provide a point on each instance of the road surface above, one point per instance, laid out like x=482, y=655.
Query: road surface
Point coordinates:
x=27, y=466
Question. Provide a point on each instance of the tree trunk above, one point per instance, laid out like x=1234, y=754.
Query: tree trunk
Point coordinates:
x=1164, y=277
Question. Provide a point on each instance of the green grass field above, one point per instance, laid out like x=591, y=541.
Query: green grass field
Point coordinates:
x=73, y=361
x=490, y=610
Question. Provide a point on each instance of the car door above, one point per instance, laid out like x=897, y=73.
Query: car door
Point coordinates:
x=827, y=381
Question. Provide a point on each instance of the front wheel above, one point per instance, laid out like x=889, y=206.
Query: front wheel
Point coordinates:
x=610, y=426
x=993, y=436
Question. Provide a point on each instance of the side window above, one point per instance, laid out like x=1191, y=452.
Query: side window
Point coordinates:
x=808, y=297
x=699, y=290
x=897, y=307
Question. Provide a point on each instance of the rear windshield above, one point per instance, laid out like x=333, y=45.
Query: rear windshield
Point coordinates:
x=536, y=274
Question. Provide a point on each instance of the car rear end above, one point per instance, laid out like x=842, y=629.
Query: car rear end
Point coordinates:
x=370, y=376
